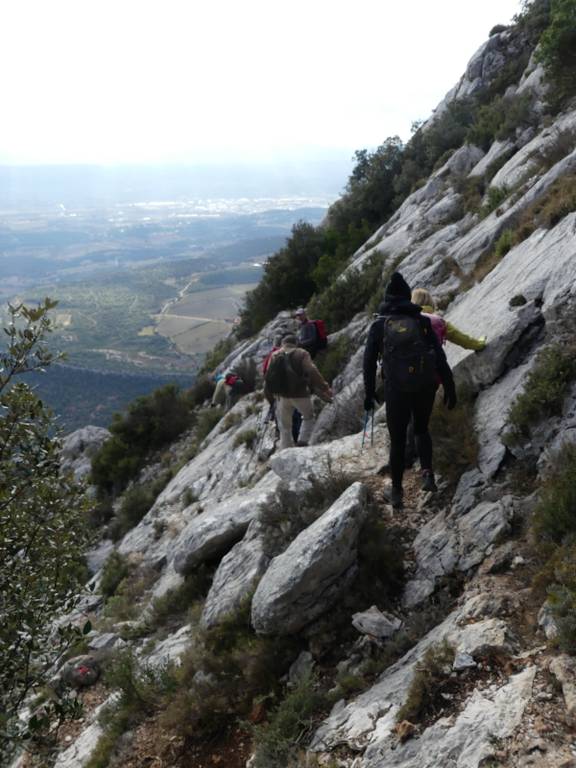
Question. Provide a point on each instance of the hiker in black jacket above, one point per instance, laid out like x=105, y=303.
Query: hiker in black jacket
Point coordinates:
x=413, y=364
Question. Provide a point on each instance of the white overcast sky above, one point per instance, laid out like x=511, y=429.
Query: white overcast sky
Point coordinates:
x=130, y=81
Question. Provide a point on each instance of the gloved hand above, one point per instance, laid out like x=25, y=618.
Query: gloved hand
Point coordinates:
x=369, y=403
x=450, y=398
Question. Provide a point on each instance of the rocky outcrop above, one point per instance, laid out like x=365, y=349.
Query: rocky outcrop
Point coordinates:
x=306, y=579
x=79, y=448
x=451, y=542
x=215, y=530
x=489, y=715
x=369, y=720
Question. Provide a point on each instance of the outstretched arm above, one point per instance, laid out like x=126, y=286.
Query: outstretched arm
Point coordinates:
x=462, y=339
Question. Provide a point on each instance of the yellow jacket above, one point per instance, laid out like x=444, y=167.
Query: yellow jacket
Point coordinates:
x=459, y=337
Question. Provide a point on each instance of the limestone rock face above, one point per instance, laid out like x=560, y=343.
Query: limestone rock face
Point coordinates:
x=306, y=579
x=343, y=455
x=79, y=447
x=236, y=577
x=450, y=543
x=216, y=529
x=79, y=752
x=488, y=715
x=369, y=720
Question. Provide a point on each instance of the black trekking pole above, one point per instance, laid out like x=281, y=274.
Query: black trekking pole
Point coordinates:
x=366, y=417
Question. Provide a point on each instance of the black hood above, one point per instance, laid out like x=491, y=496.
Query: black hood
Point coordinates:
x=393, y=305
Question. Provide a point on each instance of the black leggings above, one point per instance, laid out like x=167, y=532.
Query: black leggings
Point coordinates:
x=400, y=407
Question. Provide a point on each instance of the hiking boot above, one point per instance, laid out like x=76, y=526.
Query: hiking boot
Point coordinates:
x=394, y=496
x=428, y=482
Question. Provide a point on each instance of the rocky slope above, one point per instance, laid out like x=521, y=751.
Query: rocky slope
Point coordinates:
x=511, y=697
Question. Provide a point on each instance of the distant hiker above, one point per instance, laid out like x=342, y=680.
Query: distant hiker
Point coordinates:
x=444, y=330
x=229, y=389
x=312, y=334
x=292, y=378
x=413, y=363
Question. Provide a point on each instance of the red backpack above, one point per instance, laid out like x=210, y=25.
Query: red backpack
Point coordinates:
x=321, y=335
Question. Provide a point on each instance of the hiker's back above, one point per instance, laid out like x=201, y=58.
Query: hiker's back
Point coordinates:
x=284, y=376
x=408, y=356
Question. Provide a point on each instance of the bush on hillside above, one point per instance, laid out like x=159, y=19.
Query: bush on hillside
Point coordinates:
x=42, y=538
x=149, y=423
x=555, y=516
x=454, y=437
x=557, y=52
x=544, y=391
x=347, y=296
x=287, y=281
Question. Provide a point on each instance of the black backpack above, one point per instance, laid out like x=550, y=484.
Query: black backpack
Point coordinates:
x=281, y=378
x=408, y=361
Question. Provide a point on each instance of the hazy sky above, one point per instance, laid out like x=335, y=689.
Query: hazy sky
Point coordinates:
x=107, y=81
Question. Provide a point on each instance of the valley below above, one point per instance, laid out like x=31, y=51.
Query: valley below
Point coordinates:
x=144, y=290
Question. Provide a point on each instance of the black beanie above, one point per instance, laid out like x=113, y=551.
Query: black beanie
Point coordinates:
x=398, y=288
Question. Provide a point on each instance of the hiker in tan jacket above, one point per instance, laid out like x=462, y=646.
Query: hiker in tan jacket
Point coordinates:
x=305, y=380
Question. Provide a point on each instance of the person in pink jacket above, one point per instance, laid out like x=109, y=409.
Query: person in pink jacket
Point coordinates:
x=444, y=330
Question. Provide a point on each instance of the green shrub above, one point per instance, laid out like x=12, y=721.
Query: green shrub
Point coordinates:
x=149, y=423
x=517, y=301
x=289, y=727
x=504, y=243
x=201, y=392
x=247, y=438
x=380, y=560
x=454, y=437
x=223, y=672
x=347, y=296
x=555, y=515
x=558, y=202
x=207, y=420
x=496, y=196
x=424, y=697
x=142, y=689
x=217, y=354
x=544, y=392
x=176, y=602
x=115, y=570
x=332, y=361
x=136, y=502
x=557, y=52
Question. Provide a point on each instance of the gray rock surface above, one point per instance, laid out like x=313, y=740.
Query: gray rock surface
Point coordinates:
x=235, y=580
x=214, y=531
x=370, y=718
x=306, y=579
x=78, y=449
x=376, y=623
x=451, y=542
x=564, y=670
x=79, y=752
x=489, y=715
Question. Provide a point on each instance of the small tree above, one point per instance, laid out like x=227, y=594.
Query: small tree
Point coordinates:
x=41, y=535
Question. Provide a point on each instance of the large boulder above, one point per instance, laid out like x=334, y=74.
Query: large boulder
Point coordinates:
x=213, y=532
x=236, y=578
x=306, y=579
